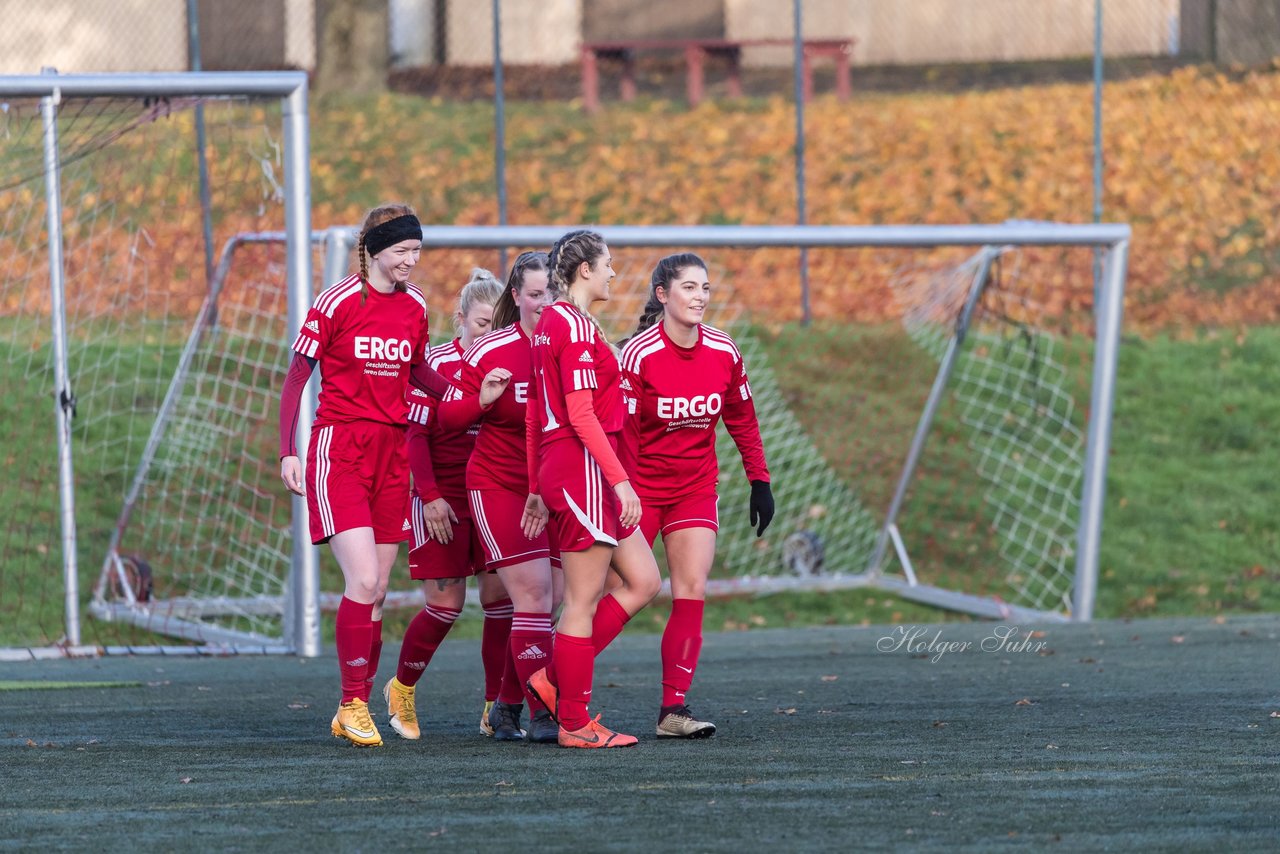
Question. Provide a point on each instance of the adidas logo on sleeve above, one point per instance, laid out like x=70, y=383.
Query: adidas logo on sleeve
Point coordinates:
x=313, y=326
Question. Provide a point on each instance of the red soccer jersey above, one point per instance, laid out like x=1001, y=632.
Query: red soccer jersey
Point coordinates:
x=500, y=460
x=448, y=450
x=365, y=351
x=674, y=397
x=570, y=354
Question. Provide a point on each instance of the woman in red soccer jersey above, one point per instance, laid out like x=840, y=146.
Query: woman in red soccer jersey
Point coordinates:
x=507, y=514
x=576, y=413
x=681, y=376
x=369, y=335
x=445, y=548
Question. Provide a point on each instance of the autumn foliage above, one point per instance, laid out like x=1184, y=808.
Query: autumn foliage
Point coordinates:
x=1191, y=162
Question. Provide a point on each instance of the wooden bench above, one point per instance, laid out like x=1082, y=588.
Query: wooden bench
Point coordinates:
x=696, y=52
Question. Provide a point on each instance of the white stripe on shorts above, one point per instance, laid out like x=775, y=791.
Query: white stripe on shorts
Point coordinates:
x=482, y=524
x=323, y=466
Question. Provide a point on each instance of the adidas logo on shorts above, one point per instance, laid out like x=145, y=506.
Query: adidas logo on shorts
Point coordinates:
x=532, y=652
x=406, y=526
x=313, y=326
x=585, y=357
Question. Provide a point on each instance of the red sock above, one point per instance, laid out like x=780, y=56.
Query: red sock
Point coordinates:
x=511, y=690
x=421, y=640
x=551, y=662
x=681, y=643
x=530, y=650
x=610, y=618
x=375, y=653
x=575, y=659
x=352, y=630
x=493, y=645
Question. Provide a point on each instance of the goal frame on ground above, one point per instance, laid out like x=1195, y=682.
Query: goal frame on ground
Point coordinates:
x=1111, y=239
x=53, y=90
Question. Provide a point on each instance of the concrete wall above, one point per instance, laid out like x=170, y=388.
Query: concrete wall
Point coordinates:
x=934, y=31
x=79, y=36
x=534, y=32
x=606, y=20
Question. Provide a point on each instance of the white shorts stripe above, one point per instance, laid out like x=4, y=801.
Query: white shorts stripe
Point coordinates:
x=593, y=530
x=482, y=525
x=419, y=524
x=323, y=466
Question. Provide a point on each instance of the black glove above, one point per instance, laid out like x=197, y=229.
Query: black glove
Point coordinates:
x=761, y=505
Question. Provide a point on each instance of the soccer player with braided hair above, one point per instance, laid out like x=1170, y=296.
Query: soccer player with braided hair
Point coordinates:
x=576, y=415
x=508, y=515
x=445, y=547
x=369, y=335
x=679, y=378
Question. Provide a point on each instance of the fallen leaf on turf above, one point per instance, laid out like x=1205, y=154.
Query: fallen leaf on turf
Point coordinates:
x=185, y=780
x=1219, y=620
x=435, y=833
x=503, y=783
x=92, y=741
x=296, y=706
x=1088, y=661
x=1051, y=747
x=939, y=724
x=1177, y=639
x=1275, y=714
x=829, y=678
x=790, y=711
x=158, y=683
x=203, y=688
x=1025, y=701
x=1036, y=634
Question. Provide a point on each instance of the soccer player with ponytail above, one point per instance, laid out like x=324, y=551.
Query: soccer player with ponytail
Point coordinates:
x=369, y=335
x=575, y=417
x=508, y=515
x=445, y=548
x=680, y=377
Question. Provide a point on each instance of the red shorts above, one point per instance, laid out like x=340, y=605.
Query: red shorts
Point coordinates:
x=358, y=477
x=692, y=511
x=497, y=514
x=458, y=558
x=584, y=508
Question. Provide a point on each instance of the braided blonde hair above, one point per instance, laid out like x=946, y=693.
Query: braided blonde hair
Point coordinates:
x=569, y=253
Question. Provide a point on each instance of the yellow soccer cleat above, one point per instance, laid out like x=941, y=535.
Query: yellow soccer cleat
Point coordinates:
x=485, y=727
x=353, y=723
x=400, y=709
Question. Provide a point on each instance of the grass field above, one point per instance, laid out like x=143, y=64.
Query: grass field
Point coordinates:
x=1188, y=530
x=1157, y=735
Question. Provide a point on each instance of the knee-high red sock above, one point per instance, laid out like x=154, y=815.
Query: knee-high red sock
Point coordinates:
x=681, y=643
x=575, y=660
x=421, y=640
x=511, y=690
x=352, y=630
x=608, y=623
x=551, y=662
x=530, y=651
x=375, y=653
x=493, y=645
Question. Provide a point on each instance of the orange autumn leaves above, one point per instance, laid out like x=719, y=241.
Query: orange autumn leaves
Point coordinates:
x=1190, y=161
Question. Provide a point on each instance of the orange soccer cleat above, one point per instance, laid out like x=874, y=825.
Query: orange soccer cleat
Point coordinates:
x=595, y=734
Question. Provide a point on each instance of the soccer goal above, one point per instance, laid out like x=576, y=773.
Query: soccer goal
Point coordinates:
x=157, y=251
x=963, y=461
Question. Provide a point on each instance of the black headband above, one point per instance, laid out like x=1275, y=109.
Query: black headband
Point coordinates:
x=392, y=232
